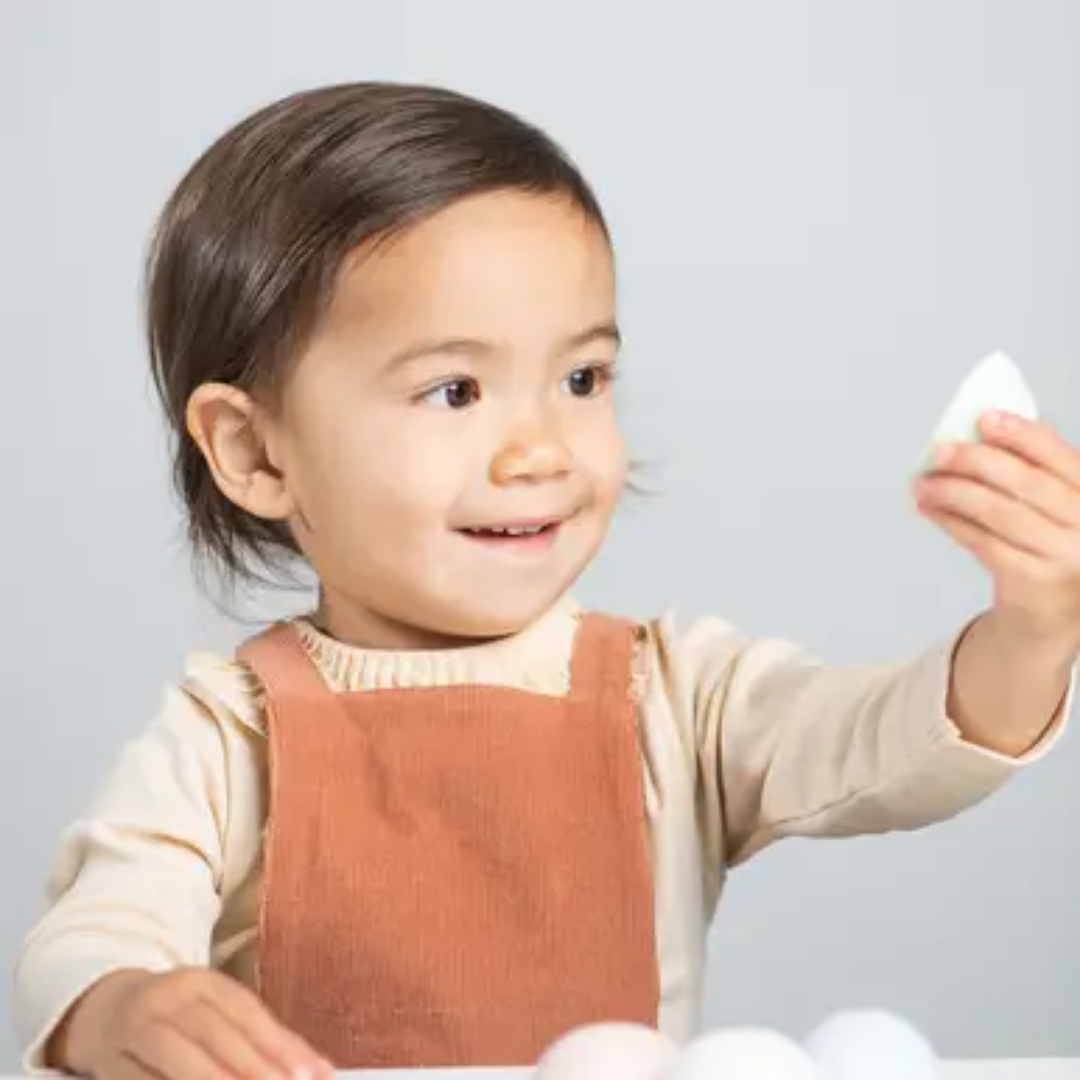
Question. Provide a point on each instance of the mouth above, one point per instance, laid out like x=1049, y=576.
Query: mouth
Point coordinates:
x=515, y=536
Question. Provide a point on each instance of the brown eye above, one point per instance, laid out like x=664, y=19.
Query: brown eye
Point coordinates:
x=586, y=382
x=454, y=394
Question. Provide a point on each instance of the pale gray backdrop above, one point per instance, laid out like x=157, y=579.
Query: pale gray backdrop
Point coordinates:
x=825, y=212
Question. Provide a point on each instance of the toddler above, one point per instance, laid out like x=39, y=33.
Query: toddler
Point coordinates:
x=449, y=814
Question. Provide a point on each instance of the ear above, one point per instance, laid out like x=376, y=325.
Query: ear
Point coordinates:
x=225, y=424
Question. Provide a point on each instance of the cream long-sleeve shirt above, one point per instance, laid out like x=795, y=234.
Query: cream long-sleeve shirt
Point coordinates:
x=743, y=742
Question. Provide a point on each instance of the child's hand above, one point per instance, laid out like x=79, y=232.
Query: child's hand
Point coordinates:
x=1013, y=501
x=194, y=1024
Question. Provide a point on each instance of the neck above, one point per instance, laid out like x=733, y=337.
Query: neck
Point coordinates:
x=364, y=628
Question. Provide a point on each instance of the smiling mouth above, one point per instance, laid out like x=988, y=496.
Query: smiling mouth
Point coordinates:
x=512, y=530
x=523, y=536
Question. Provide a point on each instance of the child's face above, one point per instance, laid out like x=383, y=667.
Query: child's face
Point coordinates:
x=457, y=386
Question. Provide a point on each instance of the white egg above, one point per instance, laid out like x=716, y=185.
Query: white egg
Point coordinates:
x=995, y=383
x=612, y=1051
x=872, y=1043
x=749, y=1053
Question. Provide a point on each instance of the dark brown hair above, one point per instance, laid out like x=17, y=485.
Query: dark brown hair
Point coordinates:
x=247, y=251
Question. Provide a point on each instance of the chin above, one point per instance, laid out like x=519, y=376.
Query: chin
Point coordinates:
x=489, y=624
x=494, y=619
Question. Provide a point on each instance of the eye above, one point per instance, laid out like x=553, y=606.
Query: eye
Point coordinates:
x=453, y=394
x=589, y=380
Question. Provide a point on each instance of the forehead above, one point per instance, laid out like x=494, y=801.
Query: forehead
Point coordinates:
x=504, y=265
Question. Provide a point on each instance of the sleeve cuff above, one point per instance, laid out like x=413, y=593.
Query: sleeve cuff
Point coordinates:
x=941, y=660
x=40, y=1014
x=936, y=666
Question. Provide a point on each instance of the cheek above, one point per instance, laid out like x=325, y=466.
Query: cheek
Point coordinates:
x=614, y=481
x=391, y=473
x=602, y=456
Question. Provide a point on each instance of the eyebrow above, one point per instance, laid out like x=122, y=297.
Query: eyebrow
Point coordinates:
x=478, y=347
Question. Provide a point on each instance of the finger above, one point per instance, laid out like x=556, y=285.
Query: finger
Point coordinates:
x=1013, y=475
x=229, y=1044
x=273, y=1040
x=122, y=1066
x=1035, y=440
x=997, y=556
x=164, y=1050
x=1006, y=518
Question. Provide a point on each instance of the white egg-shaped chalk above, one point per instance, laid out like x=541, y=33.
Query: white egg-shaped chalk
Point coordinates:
x=873, y=1043
x=611, y=1051
x=995, y=384
x=746, y=1053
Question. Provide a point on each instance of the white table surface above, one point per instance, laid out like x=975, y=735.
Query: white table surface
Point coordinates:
x=1017, y=1069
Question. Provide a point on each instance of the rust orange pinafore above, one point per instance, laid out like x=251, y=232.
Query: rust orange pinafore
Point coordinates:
x=454, y=876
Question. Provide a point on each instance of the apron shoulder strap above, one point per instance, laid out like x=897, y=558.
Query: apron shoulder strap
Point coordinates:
x=605, y=658
x=278, y=659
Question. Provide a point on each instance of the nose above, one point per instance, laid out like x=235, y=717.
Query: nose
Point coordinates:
x=532, y=454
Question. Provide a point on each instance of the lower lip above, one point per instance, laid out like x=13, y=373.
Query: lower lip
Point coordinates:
x=526, y=543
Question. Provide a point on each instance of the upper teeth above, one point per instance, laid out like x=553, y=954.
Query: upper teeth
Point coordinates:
x=515, y=530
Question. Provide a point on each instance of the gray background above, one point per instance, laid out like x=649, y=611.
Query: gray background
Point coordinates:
x=825, y=214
